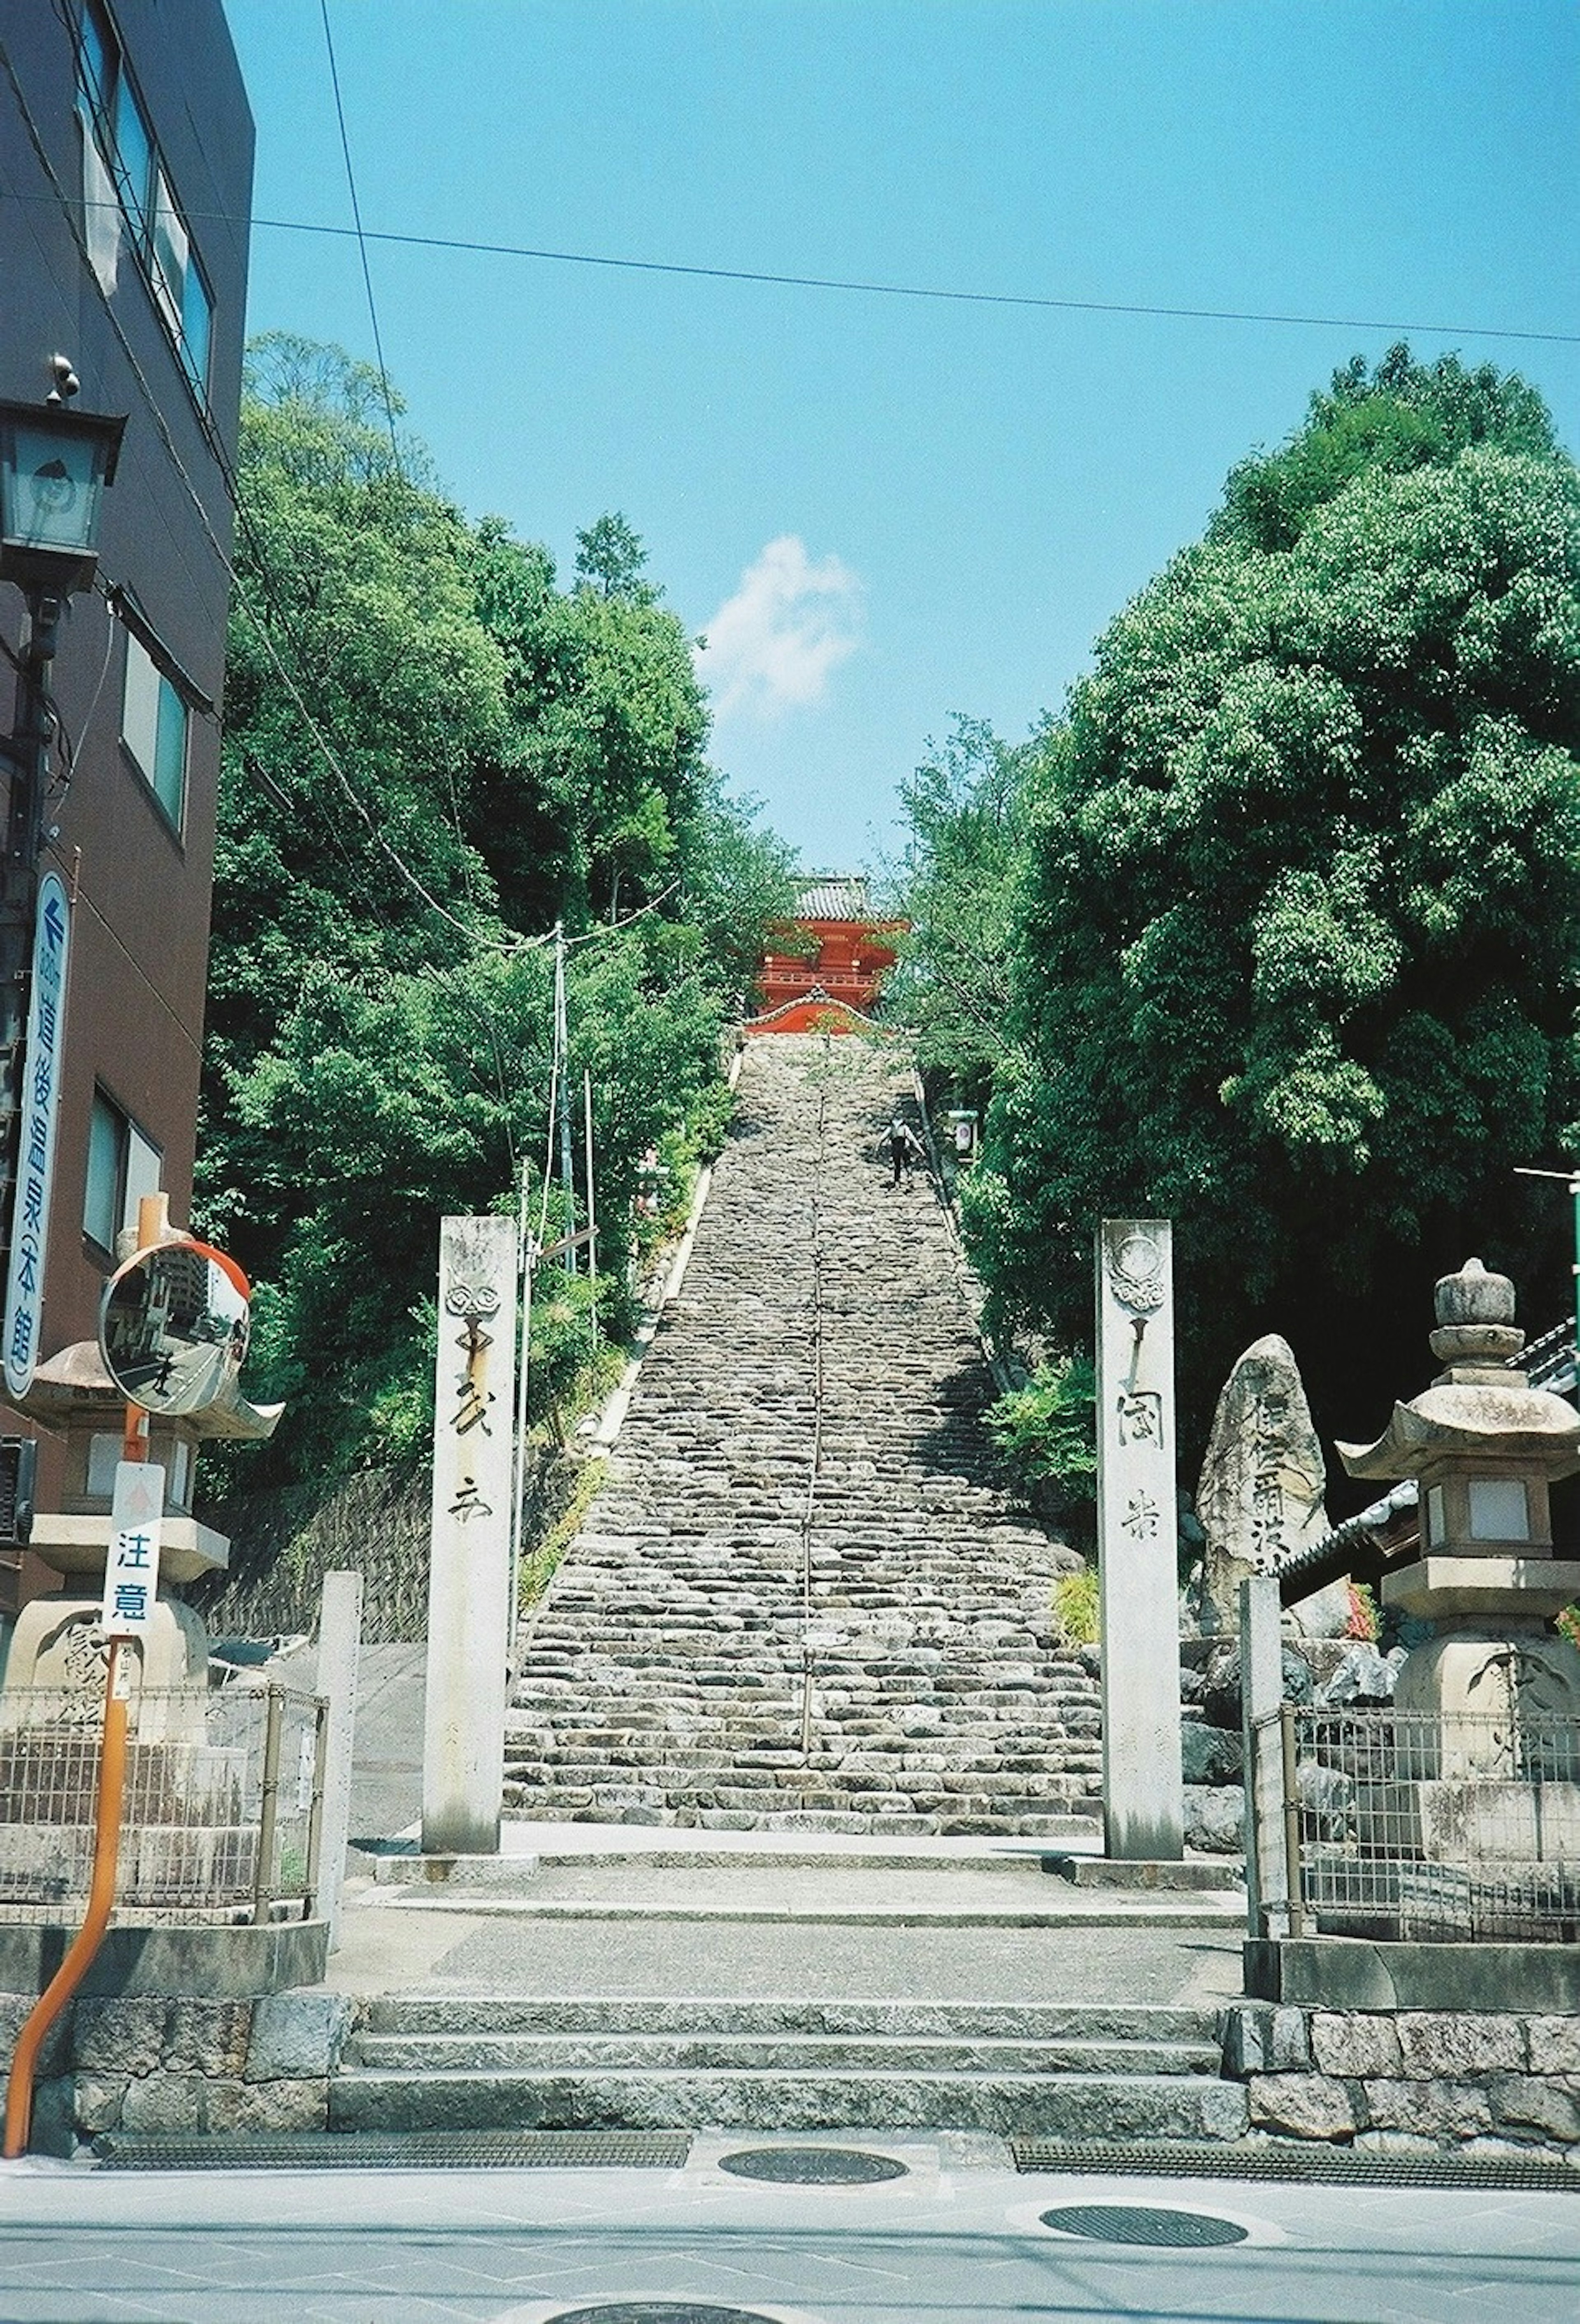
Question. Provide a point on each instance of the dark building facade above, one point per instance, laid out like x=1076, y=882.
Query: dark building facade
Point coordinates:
x=125, y=181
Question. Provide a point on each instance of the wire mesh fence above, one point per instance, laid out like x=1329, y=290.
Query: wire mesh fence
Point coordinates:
x=221, y=1809
x=1443, y=1827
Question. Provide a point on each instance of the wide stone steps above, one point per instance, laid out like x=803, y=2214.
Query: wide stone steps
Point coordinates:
x=803, y=1489
x=488, y=2064
x=1075, y=2106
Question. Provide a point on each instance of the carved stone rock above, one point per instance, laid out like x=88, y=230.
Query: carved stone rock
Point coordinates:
x=1260, y=1499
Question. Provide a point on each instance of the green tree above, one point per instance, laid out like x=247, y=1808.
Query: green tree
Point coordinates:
x=1295, y=957
x=600, y=760
x=610, y=557
x=967, y=808
x=433, y=754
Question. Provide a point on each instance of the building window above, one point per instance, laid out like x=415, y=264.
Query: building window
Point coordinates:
x=153, y=728
x=123, y=1165
x=117, y=140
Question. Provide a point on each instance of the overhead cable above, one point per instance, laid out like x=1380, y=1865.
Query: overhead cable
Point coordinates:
x=372, y=312
x=935, y=292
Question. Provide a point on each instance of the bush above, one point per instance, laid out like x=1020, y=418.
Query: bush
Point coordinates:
x=1076, y=1608
x=1048, y=1431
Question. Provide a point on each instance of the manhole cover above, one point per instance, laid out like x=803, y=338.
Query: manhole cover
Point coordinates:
x=1123, y=2223
x=813, y=2166
x=658, y=2311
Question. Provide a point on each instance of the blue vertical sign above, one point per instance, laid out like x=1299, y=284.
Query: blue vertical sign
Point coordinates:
x=39, y=1103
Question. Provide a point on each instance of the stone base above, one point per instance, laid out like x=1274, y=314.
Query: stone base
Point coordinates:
x=1188, y=1872
x=1509, y=1829
x=223, y=1963
x=158, y=2065
x=491, y=1873
x=49, y=1647
x=1365, y=1973
x=1477, y=2081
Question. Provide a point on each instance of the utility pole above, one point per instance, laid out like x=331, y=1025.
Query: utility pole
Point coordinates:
x=563, y=1053
x=54, y=464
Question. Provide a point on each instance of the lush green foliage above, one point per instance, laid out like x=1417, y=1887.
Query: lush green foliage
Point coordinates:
x=1299, y=929
x=1048, y=1431
x=468, y=754
x=966, y=809
x=1078, y=1608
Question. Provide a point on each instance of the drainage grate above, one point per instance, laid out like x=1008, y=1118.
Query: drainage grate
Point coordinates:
x=659, y=2311
x=1127, y=2223
x=813, y=2166
x=1345, y=2166
x=425, y=2150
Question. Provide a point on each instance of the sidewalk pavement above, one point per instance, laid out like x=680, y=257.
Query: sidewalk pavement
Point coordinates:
x=960, y=2239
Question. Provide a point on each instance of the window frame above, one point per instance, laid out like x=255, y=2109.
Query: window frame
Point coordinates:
x=168, y=703
x=116, y=119
x=138, y=1169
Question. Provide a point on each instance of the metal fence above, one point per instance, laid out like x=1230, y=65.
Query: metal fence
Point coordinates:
x=1443, y=1827
x=222, y=1810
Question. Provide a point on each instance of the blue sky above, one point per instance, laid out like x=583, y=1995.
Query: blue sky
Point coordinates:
x=884, y=511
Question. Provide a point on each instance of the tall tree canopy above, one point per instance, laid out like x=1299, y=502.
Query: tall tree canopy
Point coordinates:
x=966, y=809
x=1299, y=927
x=433, y=754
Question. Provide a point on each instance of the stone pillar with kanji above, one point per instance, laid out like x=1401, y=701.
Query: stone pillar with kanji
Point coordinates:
x=1137, y=1556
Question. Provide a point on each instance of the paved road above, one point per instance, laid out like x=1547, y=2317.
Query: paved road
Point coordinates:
x=958, y=2240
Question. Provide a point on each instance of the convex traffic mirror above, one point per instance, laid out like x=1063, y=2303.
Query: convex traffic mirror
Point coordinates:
x=173, y=1326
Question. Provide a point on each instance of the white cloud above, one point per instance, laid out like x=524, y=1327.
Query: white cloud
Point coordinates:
x=774, y=645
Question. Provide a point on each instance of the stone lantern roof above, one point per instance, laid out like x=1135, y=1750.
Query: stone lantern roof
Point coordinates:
x=73, y=1387
x=1477, y=1407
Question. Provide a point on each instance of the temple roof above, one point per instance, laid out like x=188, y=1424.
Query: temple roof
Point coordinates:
x=833, y=895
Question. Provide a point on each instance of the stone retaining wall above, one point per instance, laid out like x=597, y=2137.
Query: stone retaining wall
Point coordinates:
x=144, y=2064
x=1423, y=2079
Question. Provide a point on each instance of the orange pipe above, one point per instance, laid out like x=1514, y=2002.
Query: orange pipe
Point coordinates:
x=101, y=1897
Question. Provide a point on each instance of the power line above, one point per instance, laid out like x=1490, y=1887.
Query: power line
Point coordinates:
x=935, y=292
x=227, y=563
x=508, y=947
x=917, y=290
x=372, y=312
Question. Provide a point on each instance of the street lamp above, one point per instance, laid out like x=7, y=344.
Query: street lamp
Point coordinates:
x=54, y=465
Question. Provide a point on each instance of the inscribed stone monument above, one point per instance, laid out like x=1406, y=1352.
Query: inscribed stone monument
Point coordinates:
x=469, y=1610
x=1260, y=1497
x=1137, y=1557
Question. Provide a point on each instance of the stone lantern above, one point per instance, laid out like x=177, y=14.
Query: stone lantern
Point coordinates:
x=54, y=1643
x=1484, y=1447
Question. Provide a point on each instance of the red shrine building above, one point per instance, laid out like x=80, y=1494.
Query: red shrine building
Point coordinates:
x=836, y=953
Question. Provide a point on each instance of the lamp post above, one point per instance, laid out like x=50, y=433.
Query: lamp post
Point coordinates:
x=54, y=464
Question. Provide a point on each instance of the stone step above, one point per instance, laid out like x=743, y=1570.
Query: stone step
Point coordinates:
x=578, y=1806
x=664, y=1679
x=800, y=2015
x=781, y=2053
x=1077, y=2107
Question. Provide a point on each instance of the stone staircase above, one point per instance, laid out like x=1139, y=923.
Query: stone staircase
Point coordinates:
x=802, y=1597
x=438, y=2062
